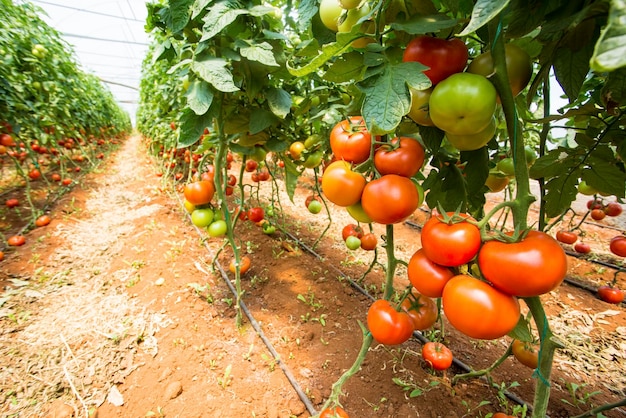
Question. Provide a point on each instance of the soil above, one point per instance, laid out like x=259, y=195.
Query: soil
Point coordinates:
x=115, y=309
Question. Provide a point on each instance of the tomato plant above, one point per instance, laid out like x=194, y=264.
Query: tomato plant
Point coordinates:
x=437, y=355
x=351, y=141
x=390, y=199
x=403, y=156
x=443, y=57
x=387, y=325
x=450, y=242
x=526, y=353
x=611, y=294
x=479, y=310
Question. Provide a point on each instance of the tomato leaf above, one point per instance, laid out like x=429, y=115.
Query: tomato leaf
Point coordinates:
x=446, y=188
x=291, y=177
x=198, y=7
x=260, y=52
x=476, y=172
x=484, y=11
x=279, y=101
x=420, y=24
x=199, y=97
x=432, y=138
x=179, y=13
x=522, y=330
x=610, y=49
x=192, y=127
x=387, y=97
x=560, y=193
x=328, y=51
x=346, y=68
x=571, y=65
x=215, y=72
x=307, y=9
x=260, y=119
x=605, y=176
x=219, y=17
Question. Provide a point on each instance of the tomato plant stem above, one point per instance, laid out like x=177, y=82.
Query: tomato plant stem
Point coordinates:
x=391, y=263
x=597, y=411
x=479, y=373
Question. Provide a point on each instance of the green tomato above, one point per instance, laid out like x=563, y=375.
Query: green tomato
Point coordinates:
x=202, y=217
x=475, y=141
x=419, y=106
x=268, y=228
x=315, y=207
x=217, y=228
x=353, y=242
x=330, y=11
x=531, y=155
x=314, y=159
x=349, y=4
x=352, y=17
x=586, y=189
x=258, y=154
x=358, y=214
x=506, y=166
x=463, y=104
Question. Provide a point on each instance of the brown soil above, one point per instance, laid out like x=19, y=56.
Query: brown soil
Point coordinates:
x=115, y=310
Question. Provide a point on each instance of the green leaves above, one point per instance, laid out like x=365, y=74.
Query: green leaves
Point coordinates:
x=387, y=97
x=279, y=102
x=610, y=49
x=199, y=97
x=260, y=52
x=484, y=11
x=214, y=71
x=219, y=17
x=192, y=127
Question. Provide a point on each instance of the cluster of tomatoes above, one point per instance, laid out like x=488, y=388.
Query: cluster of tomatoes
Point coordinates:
x=354, y=237
x=388, y=194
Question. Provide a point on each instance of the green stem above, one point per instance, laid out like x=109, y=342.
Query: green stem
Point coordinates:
x=391, y=263
x=595, y=411
x=479, y=373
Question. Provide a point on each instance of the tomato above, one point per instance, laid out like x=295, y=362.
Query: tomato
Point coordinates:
x=369, y=241
x=422, y=310
x=341, y=185
x=597, y=214
x=450, y=243
x=427, y=277
x=566, y=237
x=496, y=182
x=16, y=240
x=66, y=182
x=232, y=180
x=353, y=242
x=256, y=214
x=518, y=67
x=351, y=141
x=390, y=199
x=43, y=220
x=437, y=355
x=443, y=57
x=251, y=166
x=404, y=157
x=173, y=125
x=586, y=189
x=330, y=11
x=349, y=4
x=295, y=150
x=463, y=104
x=618, y=245
x=419, y=106
x=218, y=228
x=189, y=207
x=502, y=415
x=56, y=177
x=475, y=141
x=351, y=230
x=244, y=265
x=387, y=325
x=199, y=192
x=12, y=203
x=610, y=294
x=335, y=412
x=34, y=174
x=7, y=140
x=268, y=228
x=358, y=214
x=531, y=267
x=479, y=310
x=582, y=248
x=314, y=159
x=526, y=353
x=202, y=217
x=315, y=207
x=1, y=255
x=264, y=174
x=613, y=209
x=366, y=27
x=506, y=166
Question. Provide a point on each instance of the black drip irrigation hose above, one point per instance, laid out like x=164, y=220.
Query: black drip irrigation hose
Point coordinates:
x=418, y=335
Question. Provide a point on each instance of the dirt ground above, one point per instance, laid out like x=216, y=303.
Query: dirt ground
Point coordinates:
x=114, y=310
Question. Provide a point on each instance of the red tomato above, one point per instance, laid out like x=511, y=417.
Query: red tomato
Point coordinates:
x=404, y=157
x=199, y=192
x=256, y=214
x=390, y=199
x=16, y=240
x=1, y=255
x=336, y=412
x=526, y=353
x=351, y=230
x=582, y=248
x=450, y=243
x=244, y=265
x=11, y=203
x=66, y=182
x=594, y=204
x=341, y=185
x=597, y=214
x=251, y=166
x=613, y=209
x=479, y=310
x=387, y=325
x=56, y=177
x=351, y=141
x=531, y=267
x=264, y=174
x=422, y=310
x=43, y=220
x=437, y=355
x=369, y=242
x=426, y=276
x=618, y=245
x=566, y=237
x=34, y=174
x=502, y=415
x=611, y=294
x=232, y=180
x=443, y=57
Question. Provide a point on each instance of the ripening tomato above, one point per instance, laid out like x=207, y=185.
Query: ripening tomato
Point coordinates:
x=479, y=310
x=422, y=310
x=244, y=265
x=526, y=353
x=390, y=199
x=387, y=325
x=351, y=141
x=1, y=255
x=351, y=230
x=597, y=214
x=450, y=243
x=443, y=57
x=403, y=156
x=566, y=237
x=341, y=185
x=330, y=12
x=502, y=415
x=610, y=294
x=16, y=240
x=295, y=150
x=496, y=182
x=531, y=267
x=475, y=141
x=437, y=355
x=369, y=241
x=618, y=245
x=199, y=192
x=335, y=412
x=358, y=214
x=419, y=106
x=43, y=220
x=427, y=277
x=463, y=104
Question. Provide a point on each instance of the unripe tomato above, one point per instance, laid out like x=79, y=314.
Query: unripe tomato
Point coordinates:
x=330, y=11
x=518, y=67
x=586, y=189
x=358, y=214
x=353, y=242
x=442, y=57
x=419, y=106
x=496, y=182
x=475, y=141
